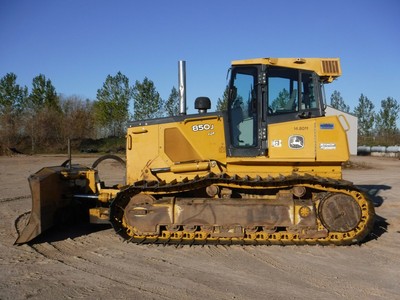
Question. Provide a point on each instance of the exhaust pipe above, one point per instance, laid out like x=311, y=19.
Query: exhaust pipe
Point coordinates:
x=182, y=86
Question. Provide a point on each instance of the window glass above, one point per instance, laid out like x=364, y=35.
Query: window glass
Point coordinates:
x=283, y=90
x=243, y=108
x=308, y=97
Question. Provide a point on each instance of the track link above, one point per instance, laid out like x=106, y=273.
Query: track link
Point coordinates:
x=282, y=236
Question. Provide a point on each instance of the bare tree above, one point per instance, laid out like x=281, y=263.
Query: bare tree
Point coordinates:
x=78, y=118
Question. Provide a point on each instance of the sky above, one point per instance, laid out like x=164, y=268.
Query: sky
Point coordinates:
x=77, y=43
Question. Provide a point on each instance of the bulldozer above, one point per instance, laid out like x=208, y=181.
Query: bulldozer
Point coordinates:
x=266, y=170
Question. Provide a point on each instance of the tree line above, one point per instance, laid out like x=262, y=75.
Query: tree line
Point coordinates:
x=43, y=119
x=374, y=127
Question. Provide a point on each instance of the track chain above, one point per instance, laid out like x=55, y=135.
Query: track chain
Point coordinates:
x=174, y=188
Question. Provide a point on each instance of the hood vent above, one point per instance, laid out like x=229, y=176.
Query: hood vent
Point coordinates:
x=330, y=67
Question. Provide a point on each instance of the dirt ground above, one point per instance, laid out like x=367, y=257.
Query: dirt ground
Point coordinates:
x=94, y=263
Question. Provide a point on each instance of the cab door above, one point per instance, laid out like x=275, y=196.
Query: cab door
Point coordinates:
x=244, y=137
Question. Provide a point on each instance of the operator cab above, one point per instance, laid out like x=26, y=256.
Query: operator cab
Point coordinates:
x=261, y=94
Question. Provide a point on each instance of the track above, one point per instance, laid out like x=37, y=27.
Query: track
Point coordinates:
x=283, y=236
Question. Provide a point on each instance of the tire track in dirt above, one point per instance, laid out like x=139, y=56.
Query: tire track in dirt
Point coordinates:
x=143, y=270
x=97, y=264
x=320, y=269
x=14, y=198
x=307, y=275
x=79, y=257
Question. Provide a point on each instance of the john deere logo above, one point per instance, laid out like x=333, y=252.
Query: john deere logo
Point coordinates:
x=296, y=142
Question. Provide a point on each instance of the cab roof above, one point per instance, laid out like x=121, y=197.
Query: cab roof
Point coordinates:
x=327, y=68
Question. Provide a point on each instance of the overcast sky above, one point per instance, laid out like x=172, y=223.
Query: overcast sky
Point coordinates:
x=77, y=43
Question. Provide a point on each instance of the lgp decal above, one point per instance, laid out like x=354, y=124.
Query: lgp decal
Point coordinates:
x=296, y=142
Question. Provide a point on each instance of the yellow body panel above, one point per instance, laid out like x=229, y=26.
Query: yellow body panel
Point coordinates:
x=176, y=145
x=292, y=141
x=265, y=167
x=327, y=68
x=332, y=144
x=320, y=140
x=196, y=147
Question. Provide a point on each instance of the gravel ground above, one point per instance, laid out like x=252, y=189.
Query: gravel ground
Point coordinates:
x=94, y=263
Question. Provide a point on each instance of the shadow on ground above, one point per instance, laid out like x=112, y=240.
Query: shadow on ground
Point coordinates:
x=380, y=225
x=63, y=232
x=373, y=192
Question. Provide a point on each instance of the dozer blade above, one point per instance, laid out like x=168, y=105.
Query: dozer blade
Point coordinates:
x=48, y=200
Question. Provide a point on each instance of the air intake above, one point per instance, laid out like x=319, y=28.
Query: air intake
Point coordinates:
x=330, y=67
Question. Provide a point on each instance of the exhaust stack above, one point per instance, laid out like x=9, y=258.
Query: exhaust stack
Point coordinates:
x=182, y=86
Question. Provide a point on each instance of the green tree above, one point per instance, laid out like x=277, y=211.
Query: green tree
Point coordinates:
x=12, y=95
x=386, y=119
x=42, y=114
x=222, y=103
x=338, y=102
x=171, y=106
x=364, y=111
x=12, y=98
x=146, y=100
x=43, y=95
x=281, y=101
x=112, y=105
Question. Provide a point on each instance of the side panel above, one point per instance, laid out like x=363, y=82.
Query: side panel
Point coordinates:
x=175, y=146
x=292, y=140
x=332, y=144
x=141, y=150
x=194, y=139
x=319, y=139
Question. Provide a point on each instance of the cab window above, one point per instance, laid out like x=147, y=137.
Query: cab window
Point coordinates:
x=283, y=90
x=290, y=91
x=308, y=96
x=243, y=108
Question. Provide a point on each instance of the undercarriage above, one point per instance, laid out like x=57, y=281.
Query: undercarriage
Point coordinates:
x=225, y=209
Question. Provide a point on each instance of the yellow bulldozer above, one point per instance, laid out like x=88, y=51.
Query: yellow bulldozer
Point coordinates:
x=267, y=170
